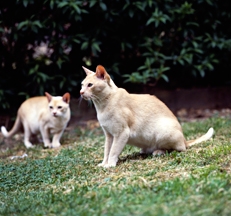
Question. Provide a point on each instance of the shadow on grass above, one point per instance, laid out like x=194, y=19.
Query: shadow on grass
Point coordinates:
x=134, y=156
x=143, y=156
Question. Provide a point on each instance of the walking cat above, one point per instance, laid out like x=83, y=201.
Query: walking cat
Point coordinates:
x=140, y=120
x=45, y=114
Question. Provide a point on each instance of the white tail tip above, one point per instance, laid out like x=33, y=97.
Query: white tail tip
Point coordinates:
x=4, y=131
x=210, y=133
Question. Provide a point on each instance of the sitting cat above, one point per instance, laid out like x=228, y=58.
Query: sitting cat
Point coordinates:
x=140, y=120
x=45, y=114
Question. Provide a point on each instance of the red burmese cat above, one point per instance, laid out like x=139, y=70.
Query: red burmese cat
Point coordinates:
x=140, y=120
x=43, y=114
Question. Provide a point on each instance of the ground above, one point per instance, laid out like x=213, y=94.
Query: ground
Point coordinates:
x=84, y=118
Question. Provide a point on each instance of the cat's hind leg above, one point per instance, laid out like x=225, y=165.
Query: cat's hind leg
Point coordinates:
x=27, y=135
x=175, y=143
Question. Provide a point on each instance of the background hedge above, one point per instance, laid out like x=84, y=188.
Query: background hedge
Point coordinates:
x=177, y=43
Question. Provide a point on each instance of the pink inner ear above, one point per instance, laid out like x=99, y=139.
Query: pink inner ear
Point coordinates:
x=100, y=72
x=66, y=97
x=49, y=97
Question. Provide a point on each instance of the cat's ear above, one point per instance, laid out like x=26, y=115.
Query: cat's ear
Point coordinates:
x=49, y=97
x=87, y=71
x=66, y=97
x=101, y=73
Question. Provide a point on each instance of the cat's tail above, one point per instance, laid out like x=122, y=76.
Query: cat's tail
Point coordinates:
x=14, y=130
x=203, y=138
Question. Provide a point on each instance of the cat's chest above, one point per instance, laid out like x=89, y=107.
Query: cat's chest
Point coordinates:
x=55, y=124
x=111, y=122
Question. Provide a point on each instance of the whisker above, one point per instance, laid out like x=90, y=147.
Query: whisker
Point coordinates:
x=96, y=99
x=80, y=100
x=89, y=103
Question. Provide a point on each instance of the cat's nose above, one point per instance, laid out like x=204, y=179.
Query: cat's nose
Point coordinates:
x=81, y=92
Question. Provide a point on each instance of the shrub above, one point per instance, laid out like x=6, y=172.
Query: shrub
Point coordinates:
x=45, y=43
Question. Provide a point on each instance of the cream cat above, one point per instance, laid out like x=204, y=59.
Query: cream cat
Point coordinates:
x=140, y=120
x=45, y=114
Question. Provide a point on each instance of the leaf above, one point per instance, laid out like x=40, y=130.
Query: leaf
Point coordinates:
x=96, y=46
x=183, y=51
x=150, y=21
x=34, y=69
x=157, y=23
x=84, y=46
x=193, y=24
x=140, y=6
x=76, y=41
x=210, y=66
x=37, y=23
x=142, y=67
x=43, y=76
x=202, y=73
x=181, y=61
x=163, y=69
x=22, y=24
x=163, y=76
x=131, y=13
x=62, y=4
x=77, y=9
x=34, y=29
x=103, y=6
x=125, y=6
x=92, y=3
x=195, y=44
x=25, y=3
x=198, y=51
x=59, y=63
x=52, y=4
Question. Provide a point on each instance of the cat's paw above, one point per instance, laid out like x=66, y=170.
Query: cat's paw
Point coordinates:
x=29, y=145
x=110, y=165
x=47, y=145
x=55, y=145
x=101, y=164
x=158, y=152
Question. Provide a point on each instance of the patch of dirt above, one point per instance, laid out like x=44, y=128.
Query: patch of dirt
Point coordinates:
x=84, y=117
x=189, y=115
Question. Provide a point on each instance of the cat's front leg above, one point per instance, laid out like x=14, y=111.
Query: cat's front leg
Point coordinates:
x=55, y=141
x=45, y=136
x=118, y=145
x=107, y=147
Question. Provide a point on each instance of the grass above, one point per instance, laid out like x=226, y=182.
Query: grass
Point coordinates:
x=67, y=181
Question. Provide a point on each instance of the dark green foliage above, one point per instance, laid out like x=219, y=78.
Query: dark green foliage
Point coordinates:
x=142, y=41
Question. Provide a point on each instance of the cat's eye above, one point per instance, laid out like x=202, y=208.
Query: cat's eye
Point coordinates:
x=59, y=107
x=51, y=107
x=89, y=85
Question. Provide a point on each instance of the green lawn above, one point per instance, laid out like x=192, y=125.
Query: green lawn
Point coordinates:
x=67, y=181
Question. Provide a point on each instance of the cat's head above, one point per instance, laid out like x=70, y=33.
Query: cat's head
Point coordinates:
x=58, y=105
x=96, y=83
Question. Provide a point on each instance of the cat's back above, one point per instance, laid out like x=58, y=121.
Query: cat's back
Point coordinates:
x=37, y=101
x=33, y=105
x=143, y=103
